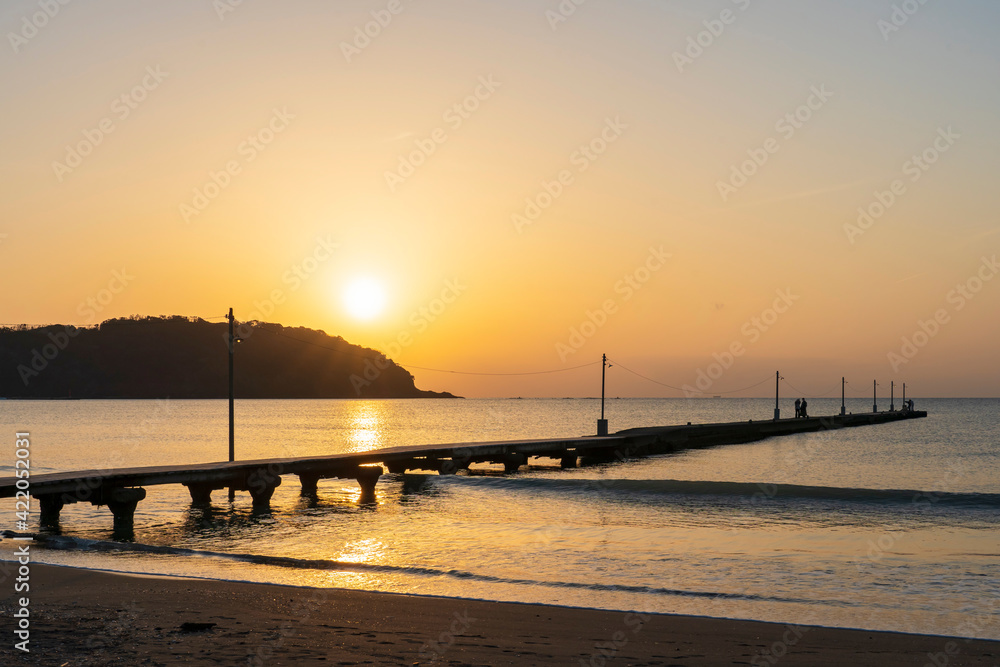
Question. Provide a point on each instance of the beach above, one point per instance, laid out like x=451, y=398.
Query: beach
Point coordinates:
x=82, y=617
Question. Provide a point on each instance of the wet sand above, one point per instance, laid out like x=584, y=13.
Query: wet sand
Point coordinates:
x=81, y=617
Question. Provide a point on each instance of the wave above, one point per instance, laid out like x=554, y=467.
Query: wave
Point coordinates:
x=748, y=490
x=66, y=543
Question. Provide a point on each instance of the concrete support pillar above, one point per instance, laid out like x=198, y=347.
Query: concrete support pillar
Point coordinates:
x=122, y=503
x=367, y=479
x=201, y=494
x=513, y=461
x=396, y=468
x=568, y=460
x=309, y=484
x=50, y=506
x=453, y=465
x=261, y=485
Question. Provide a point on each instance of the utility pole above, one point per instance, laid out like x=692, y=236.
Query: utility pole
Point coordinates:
x=777, y=383
x=904, y=395
x=602, y=423
x=232, y=399
x=874, y=395
x=232, y=391
x=843, y=391
x=892, y=396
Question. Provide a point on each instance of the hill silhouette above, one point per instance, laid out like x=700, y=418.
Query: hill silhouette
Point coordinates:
x=180, y=357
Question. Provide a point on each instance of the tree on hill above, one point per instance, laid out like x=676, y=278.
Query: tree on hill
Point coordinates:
x=180, y=357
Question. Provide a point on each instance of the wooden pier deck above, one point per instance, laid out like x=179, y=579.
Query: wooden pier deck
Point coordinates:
x=121, y=489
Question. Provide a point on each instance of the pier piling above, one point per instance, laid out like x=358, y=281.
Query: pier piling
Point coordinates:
x=122, y=503
x=310, y=484
x=261, y=485
x=201, y=494
x=512, y=461
x=50, y=505
x=367, y=479
x=568, y=460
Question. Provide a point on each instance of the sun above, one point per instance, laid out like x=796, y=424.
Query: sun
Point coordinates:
x=364, y=298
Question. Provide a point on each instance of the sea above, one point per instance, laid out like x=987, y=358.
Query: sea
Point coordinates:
x=886, y=527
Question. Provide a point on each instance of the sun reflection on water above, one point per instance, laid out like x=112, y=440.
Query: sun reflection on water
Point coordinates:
x=365, y=430
x=370, y=550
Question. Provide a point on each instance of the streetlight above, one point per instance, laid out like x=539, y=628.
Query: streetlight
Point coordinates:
x=231, y=341
x=777, y=383
x=602, y=423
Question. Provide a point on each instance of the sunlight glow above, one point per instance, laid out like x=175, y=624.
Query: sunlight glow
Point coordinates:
x=364, y=298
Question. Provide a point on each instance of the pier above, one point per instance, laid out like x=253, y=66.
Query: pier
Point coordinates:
x=122, y=489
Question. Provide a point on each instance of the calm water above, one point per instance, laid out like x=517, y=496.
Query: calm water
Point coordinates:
x=790, y=529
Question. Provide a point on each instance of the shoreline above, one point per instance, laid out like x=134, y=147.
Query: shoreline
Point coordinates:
x=331, y=590
x=83, y=617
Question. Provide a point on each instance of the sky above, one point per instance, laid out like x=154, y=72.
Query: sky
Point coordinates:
x=707, y=192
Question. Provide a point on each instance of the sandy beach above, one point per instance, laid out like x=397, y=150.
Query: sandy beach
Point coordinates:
x=81, y=617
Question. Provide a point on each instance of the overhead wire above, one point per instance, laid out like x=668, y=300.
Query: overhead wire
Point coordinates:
x=664, y=384
x=424, y=368
x=806, y=393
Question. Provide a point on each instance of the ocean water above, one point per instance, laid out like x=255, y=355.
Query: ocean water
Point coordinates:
x=890, y=527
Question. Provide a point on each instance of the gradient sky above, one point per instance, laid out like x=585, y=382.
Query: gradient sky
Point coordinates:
x=330, y=125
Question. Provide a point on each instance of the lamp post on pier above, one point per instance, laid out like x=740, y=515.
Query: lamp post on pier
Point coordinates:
x=843, y=391
x=232, y=389
x=892, y=396
x=231, y=341
x=602, y=423
x=777, y=384
x=874, y=395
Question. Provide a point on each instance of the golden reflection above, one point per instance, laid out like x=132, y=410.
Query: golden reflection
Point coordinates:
x=364, y=430
x=368, y=550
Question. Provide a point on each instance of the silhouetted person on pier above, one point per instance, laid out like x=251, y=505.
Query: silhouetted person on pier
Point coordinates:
x=798, y=407
x=802, y=411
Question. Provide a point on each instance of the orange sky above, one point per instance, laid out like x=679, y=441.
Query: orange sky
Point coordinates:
x=639, y=179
